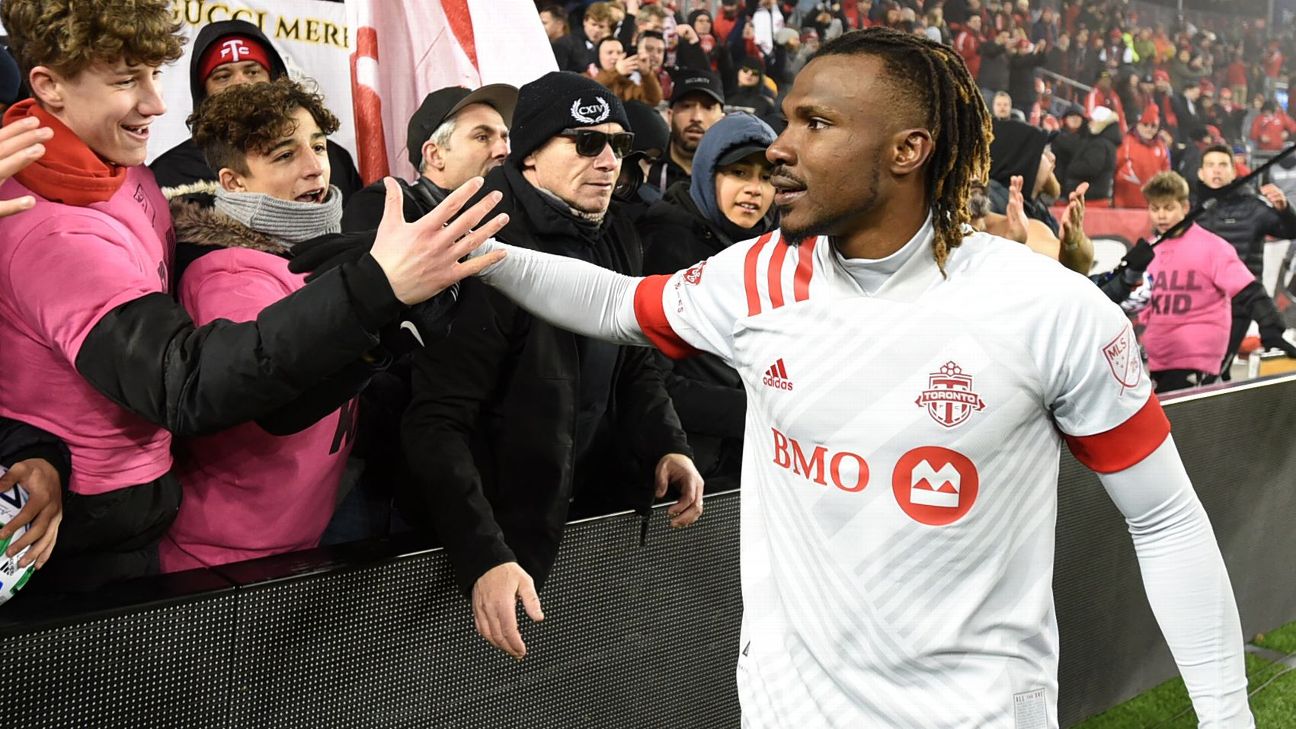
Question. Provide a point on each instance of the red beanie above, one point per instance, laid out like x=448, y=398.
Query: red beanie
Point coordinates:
x=232, y=49
x=1151, y=115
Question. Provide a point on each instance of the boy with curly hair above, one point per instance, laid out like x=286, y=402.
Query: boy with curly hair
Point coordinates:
x=97, y=350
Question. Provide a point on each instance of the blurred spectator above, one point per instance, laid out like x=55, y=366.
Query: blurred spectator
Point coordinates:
x=455, y=135
x=209, y=74
x=1104, y=95
x=730, y=15
x=1187, y=112
x=1094, y=159
x=651, y=50
x=651, y=18
x=968, y=45
x=1190, y=282
x=1058, y=57
x=766, y=22
x=555, y=22
x=651, y=140
x=1271, y=129
x=1244, y=219
x=750, y=94
x=513, y=417
x=575, y=51
x=1227, y=116
x=713, y=48
x=626, y=76
x=1001, y=105
x=1068, y=138
x=1163, y=97
x=809, y=47
x=729, y=199
x=1045, y=29
x=1185, y=69
x=1140, y=157
x=995, y=66
x=698, y=102
x=1024, y=58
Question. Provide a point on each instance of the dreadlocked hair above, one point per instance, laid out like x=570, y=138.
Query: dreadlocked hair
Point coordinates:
x=953, y=110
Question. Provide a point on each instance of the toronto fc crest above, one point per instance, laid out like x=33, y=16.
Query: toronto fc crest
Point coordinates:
x=949, y=398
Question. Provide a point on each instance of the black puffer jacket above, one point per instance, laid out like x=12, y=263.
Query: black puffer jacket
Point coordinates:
x=502, y=407
x=1094, y=162
x=1244, y=219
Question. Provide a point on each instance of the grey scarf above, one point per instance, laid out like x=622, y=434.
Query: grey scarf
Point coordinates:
x=286, y=221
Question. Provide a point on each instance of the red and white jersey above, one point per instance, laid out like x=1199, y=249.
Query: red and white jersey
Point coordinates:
x=900, y=469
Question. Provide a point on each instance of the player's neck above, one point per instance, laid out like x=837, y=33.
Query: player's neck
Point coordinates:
x=895, y=223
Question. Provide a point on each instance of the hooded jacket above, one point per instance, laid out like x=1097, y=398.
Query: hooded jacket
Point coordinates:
x=683, y=229
x=1094, y=162
x=1136, y=162
x=248, y=493
x=99, y=354
x=754, y=98
x=184, y=164
x=511, y=416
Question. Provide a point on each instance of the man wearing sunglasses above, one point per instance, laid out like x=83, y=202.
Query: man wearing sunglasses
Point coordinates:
x=511, y=417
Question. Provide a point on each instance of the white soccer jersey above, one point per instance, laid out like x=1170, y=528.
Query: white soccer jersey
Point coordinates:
x=900, y=470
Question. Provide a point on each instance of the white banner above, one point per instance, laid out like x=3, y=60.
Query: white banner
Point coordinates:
x=406, y=50
x=311, y=35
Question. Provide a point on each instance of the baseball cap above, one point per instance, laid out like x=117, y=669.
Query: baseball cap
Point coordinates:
x=445, y=103
x=740, y=153
x=1160, y=75
x=689, y=80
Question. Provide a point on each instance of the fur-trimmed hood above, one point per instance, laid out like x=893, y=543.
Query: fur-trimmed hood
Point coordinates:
x=202, y=225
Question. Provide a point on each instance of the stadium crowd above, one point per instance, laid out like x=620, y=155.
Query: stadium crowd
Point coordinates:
x=242, y=350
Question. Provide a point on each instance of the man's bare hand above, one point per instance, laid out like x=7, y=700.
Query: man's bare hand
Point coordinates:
x=494, y=601
x=422, y=258
x=1016, y=211
x=20, y=145
x=43, y=511
x=686, y=34
x=1072, y=225
x=678, y=470
x=1275, y=196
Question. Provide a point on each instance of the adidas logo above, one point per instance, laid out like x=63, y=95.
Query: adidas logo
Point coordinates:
x=777, y=377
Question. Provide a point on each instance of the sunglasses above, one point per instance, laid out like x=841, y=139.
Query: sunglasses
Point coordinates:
x=590, y=142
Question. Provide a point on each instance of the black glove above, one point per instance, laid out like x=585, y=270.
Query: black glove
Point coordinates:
x=1272, y=338
x=1139, y=257
x=317, y=255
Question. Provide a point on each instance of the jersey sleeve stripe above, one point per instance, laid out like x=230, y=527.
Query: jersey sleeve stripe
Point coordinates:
x=749, y=274
x=650, y=312
x=1125, y=445
x=805, y=267
x=776, y=274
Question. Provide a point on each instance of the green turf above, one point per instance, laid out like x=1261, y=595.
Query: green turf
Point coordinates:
x=1274, y=706
x=1282, y=640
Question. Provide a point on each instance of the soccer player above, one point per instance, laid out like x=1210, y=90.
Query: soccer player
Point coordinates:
x=905, y=414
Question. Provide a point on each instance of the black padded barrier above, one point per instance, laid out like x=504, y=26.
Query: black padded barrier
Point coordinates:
x=635, y=635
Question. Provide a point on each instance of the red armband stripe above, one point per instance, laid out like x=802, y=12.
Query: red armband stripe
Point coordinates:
x=749, y=274
x=1125, y=445
x=650, y=312
x=805, y=267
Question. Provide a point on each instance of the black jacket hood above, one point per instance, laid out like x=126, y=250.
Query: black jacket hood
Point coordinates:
x=214, y=32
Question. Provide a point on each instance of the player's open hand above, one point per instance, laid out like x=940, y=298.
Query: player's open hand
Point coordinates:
x=494, y=600
x=20, y=145
x=422, y=258
x=675, y=469
x=43, y=510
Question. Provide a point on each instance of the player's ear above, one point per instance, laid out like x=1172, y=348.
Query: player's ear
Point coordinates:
x=911, y=149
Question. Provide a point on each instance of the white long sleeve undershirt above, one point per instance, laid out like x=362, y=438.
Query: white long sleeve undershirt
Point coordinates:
x=1183, y=573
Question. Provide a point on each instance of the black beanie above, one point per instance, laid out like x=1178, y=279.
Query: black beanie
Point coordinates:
x=556, y=101
x=1016, y=150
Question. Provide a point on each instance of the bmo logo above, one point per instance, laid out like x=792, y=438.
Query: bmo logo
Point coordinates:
x=848, y=471
x=935, y=486
x=932, y=485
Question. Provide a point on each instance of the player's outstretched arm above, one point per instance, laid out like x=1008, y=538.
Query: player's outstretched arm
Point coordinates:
x=1186, y=583
x=568, y=293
